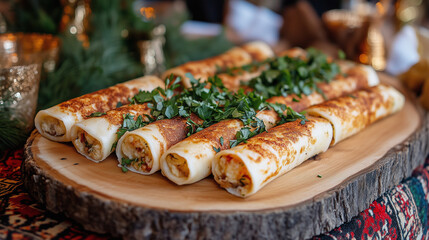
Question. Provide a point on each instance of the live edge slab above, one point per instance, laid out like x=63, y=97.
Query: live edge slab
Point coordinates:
x=313, y=198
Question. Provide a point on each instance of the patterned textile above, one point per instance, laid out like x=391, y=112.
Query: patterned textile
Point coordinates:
x=23, y=218
x=401, y=213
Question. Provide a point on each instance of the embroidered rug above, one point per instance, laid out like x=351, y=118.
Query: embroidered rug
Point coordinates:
x=401, y=213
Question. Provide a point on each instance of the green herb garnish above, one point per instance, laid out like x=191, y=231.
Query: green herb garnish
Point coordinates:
x=125, y=162
x=286, y=75
x=96, y=114
x=128, y=124
x=216, y=149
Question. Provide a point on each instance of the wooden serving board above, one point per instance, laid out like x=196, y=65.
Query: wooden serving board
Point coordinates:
x=297, y=205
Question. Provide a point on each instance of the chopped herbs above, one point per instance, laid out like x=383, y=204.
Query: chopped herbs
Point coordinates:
x=96, y=114
x=129, y=123
x=245, y=133
x=125, y=162
x=286, y=75
x=216, y=149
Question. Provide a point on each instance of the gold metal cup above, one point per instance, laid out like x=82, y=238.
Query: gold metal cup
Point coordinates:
x=26, y=48
x=348, y=30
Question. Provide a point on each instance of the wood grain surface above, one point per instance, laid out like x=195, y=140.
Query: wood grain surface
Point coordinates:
x=317, y=196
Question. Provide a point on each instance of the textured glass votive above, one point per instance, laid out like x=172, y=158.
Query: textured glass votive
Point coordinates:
x=23, y=58
x=19, y=86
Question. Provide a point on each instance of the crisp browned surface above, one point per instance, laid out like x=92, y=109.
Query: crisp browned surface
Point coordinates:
x=175, y=130
x=341, y=162
x=207, y=67
x=279, y=138
x=103, y=100
x=366, y=101
x=116, y=116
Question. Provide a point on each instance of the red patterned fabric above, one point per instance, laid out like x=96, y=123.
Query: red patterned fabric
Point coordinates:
x=401, y=213
x=23, y=218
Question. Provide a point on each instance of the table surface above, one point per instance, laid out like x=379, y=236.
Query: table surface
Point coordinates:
x=400, y=213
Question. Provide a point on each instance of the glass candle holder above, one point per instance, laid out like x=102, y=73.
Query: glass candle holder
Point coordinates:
x=19, y=87
x=23, y=58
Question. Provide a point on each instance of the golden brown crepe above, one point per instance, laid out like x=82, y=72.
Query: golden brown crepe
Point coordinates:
x=246, y=168
x=235, y=57
x=95, y=137
x=145, y=145
x=350, y=114
x=55, y=123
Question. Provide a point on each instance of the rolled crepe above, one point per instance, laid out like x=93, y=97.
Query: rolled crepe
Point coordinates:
x=235, y=57
x=95, y=137
x=246, y=168
x=194, y=154
x=350, y=114
x=182, y=170
x=145, y=145
x=55, y=123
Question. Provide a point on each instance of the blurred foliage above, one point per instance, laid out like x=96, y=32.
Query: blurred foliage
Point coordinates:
x=108, y=60
x=42, y=16
x=179, y=49
x=12, y=133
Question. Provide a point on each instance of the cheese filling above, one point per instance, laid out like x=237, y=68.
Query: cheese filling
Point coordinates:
x=231, y=173
x=53, y=126
x=177, y=165
x=136, y=148
x=88, y=145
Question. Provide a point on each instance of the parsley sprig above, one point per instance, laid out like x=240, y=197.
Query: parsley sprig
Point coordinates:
x=293, y=75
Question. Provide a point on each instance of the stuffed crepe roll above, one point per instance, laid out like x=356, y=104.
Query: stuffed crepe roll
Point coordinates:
x=55, y=123
x=95, y=137
x=144, y=146
x=350, y=114
x=246, y=168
